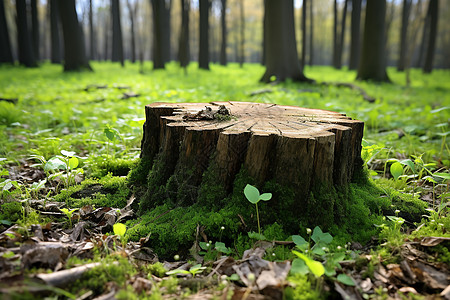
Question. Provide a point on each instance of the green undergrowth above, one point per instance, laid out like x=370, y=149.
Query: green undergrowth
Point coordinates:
x=348, y=212
x=111, y=191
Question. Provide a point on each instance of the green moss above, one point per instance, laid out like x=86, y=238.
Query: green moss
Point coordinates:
x=301, y=289
x=116, y=269
x=138, y=175
x=11, y=211
x=156, y=269
x=111, y=191
x=116, y=166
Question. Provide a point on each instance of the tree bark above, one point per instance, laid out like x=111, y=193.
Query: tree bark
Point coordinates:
x=404, y=35
x=92, y=44
x=203, y=56
x=303, y=29
x=433, y=17
x=74, y=48
x=117, y=42
x=161, y=33
x=5, y=49
x=373, y=64
x=297, y=148
x=223, y=25
x=132, y=10
x=355, y=45
x=335, y=34
x=55, y=33
x=341, y=36
x=311, y=33
x=280, y=45
x=25, y=45
x=35, y=29
x=242, y=34
x=183, y=47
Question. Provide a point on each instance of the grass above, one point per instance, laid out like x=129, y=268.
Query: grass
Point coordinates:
x=66, y=111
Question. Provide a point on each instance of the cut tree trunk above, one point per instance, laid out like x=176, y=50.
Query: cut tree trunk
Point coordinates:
x=298, y=148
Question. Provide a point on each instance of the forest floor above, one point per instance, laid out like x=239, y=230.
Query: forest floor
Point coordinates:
x=68, y=142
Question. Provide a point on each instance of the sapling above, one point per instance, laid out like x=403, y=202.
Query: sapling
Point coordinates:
x=253, y=196
x=68, y=214
x=194, y=270
x=120, y=229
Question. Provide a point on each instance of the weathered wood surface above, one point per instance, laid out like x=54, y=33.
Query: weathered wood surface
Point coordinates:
x=296, y=147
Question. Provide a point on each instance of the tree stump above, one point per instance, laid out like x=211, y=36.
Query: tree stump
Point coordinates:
x=190, y=144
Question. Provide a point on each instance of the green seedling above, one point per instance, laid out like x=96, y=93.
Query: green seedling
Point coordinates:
x=253, y=196
x=396, y=170
x=315, y=267
x=194, y=270
x=111, y=134
x=68, y=214
x=6, y=187
x=321, y=241
x=64, y=167
x=120, y=230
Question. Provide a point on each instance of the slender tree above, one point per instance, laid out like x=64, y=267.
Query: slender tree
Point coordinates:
x=55, y=33
x=404, y=34
x=117, y=42
x=373, y=64
x=433, y=17
x=303, y=29
x=311, y=33
x=280, y=46
x=335, y=33
x=161, y=32
x=223, y=26
x=26, y=53
x=341, y=36
x=74, y=49
x=242, y=33
x=355, y=44
x=132, y=10
x=5, y=49
x=92, y=44
x=183, y=46
x=203, y=57
x=35, y=28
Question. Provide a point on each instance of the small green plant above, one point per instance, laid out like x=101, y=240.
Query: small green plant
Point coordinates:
x=194, y=270
x=68, y=214
x=111, y=134
x=120, y=230
x=253, y=196
x=63, y=167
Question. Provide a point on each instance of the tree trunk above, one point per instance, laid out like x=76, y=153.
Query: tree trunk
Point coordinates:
x=280, y=45
x=341, y=36
x=223, y=25
x=92, y=46
x=335, y=34
x=303, y=29
x=161, y=33
x=242, y=34
x=404, y=34
x=35, y=28
x=355, y=45
x=55, y=33
x=203, y=56
x=132, y=11
x=373, y=64
x=183, y=47
x=26, y=53
x=433, y=17
x=117, y=42
x=193, y=150
x=5, y=49
x=311, y=33
x=74, y=49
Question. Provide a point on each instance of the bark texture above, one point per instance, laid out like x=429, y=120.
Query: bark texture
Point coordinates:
x=117, y=42
x=203, y=54
x=74, y=48
x=5, y=49
x=297, y=148
x=25, y=45
x=355, y=44
x=433, y=17
x=161, y=33
x=280, y=54
x=55, y=33
x=373, y=56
